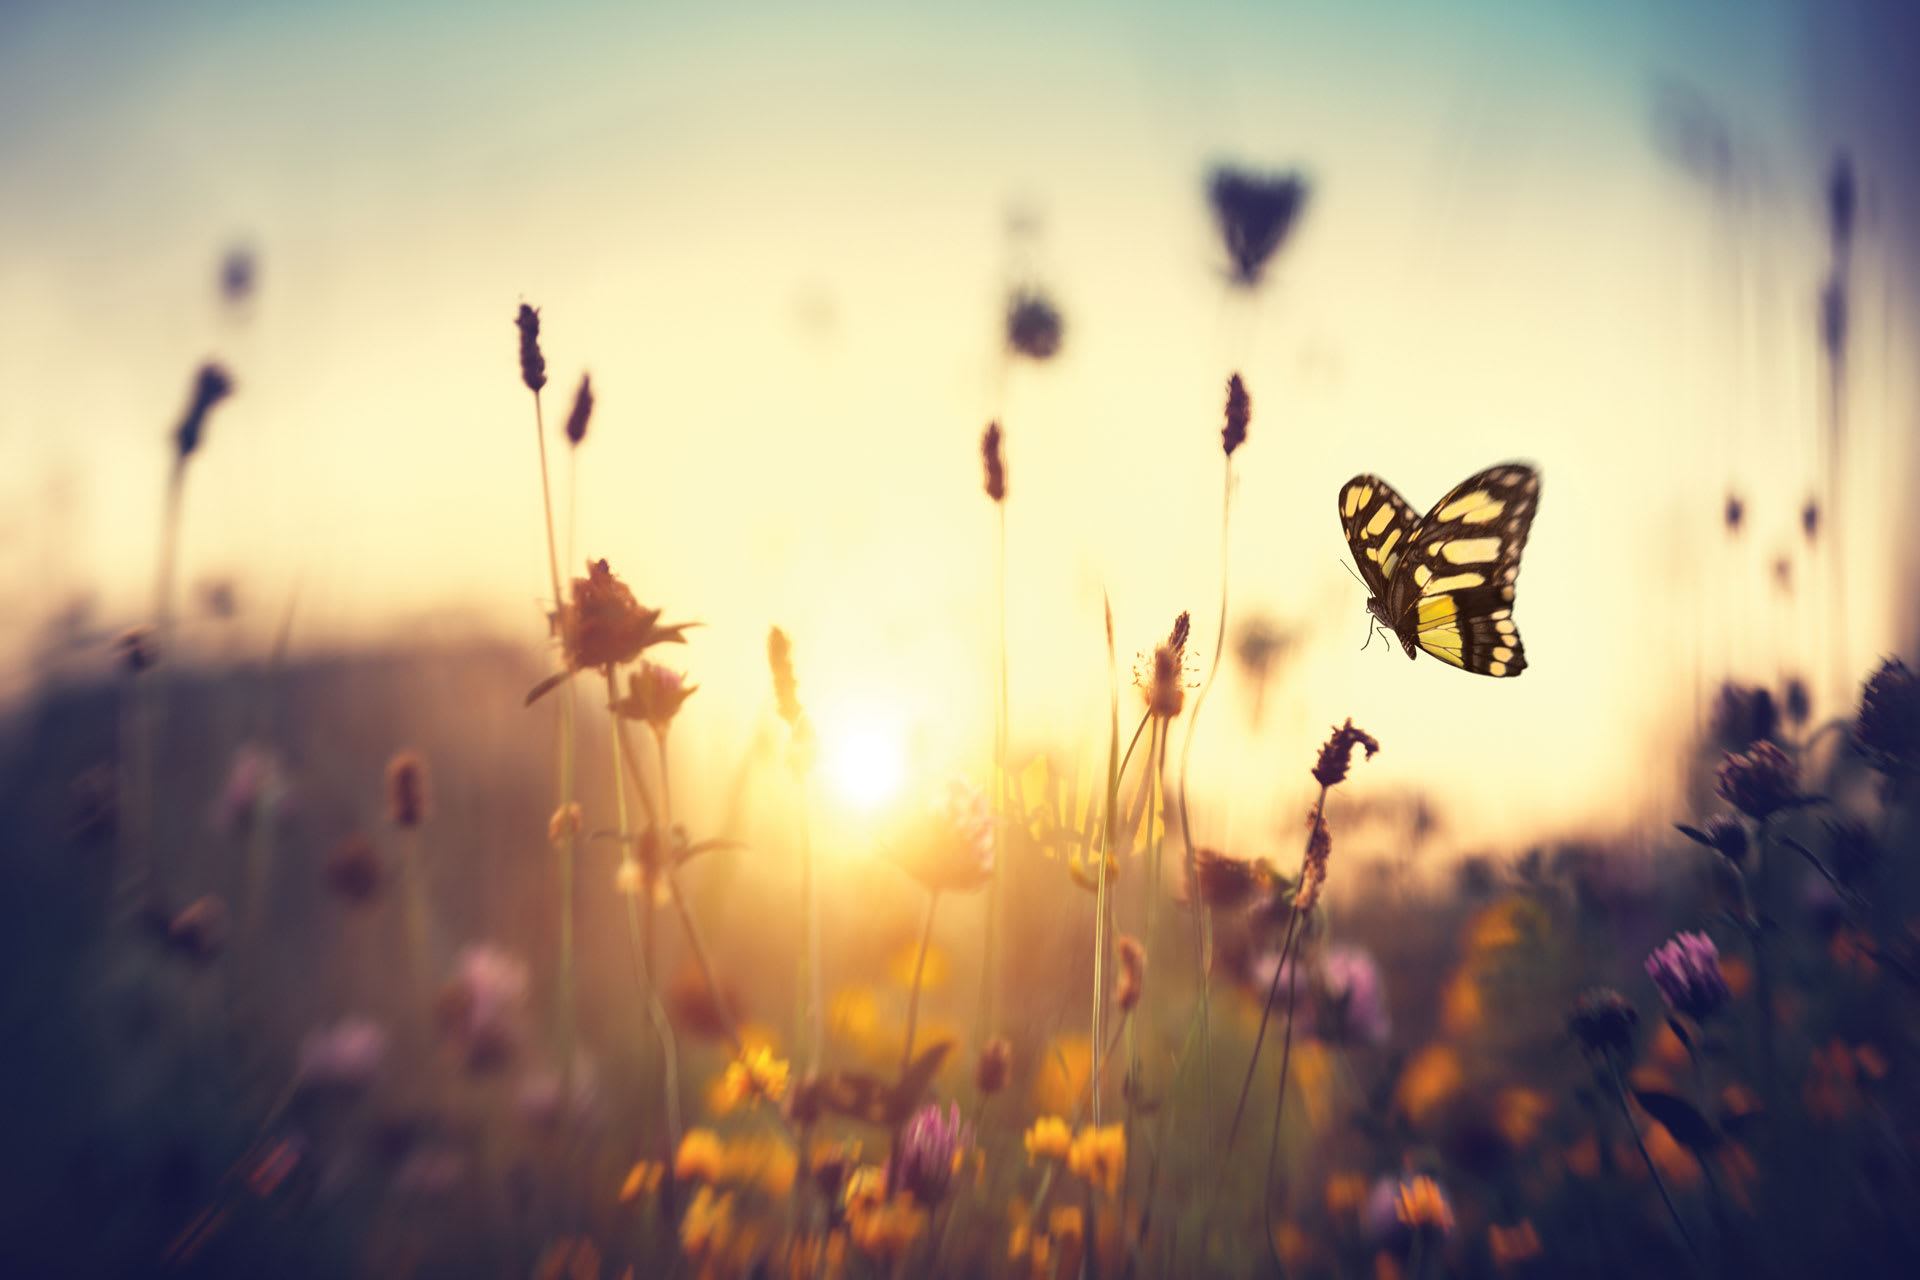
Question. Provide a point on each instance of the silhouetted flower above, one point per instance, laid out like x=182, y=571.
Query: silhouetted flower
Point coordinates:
x=953, y=847
x=1167, y=676
x=1742, y=716
x=409, y=790
x=995, y=1065
x=996, y=465
x=210, y=386
x=1255, y=213
x=1760, y=782
x=1887, y=728
x=1603, y=1021
x=1687, y=971
x=353, y=869
x=533, y=365
x=137, y=649
x=582, y=411
x=1224, y=883
x=1351, y=1004
x=482, y=1008
x=654, y=696
x=931, y=1145
x=1330, y=769
x=1033, y=325
x=343, y=1057
x=603, y=625
x=253, y=779
x=1239, y=414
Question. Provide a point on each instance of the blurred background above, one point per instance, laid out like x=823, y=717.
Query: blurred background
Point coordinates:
x=1666, y=254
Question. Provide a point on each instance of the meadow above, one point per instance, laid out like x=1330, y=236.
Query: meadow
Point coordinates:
x=410, y=963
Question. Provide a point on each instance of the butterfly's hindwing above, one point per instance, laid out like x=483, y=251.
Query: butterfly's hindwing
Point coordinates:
x=1450, y=590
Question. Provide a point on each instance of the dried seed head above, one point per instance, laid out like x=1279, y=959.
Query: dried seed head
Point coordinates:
x=1760, y=782
x=409, y=790
x=533, y=365
x=1255, y=213
x=210, y=386
x=582, y=411
x=1736, y=511
x=138, y=649
x=1603, y=1021
x=996, y=466
x=1887, y=728
x=1167, y=677
x=995, y=1066
x=354, y=871
x=1810, y=519
x=1313, y=869
x=1239, y=413
x=564, y=824
x=786, y=696
x=1033, y=325
x=1222, y=882
x=1330, y=769
x=1133, y=972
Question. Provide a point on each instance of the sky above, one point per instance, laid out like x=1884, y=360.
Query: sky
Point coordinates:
x=781, y=239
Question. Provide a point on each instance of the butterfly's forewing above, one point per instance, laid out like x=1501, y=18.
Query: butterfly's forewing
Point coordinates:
x=1378, y=524
x=1454, y=591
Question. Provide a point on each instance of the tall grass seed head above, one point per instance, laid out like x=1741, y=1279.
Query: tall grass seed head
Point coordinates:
x=1330, y=768
x=354, y=870
x=581, y=412
x=1239, y=414
x=995, y=463
x=533, y=365
x=786, y=690
x=409, y=790
x=210, y=386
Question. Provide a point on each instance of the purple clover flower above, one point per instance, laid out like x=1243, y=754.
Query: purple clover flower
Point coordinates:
x=930, y=1147
x=1687, y=971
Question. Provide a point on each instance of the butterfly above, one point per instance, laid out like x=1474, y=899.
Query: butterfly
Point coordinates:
x=1444, y=583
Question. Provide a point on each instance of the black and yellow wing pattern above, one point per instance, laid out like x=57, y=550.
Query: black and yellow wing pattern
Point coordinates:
x=1445, y=582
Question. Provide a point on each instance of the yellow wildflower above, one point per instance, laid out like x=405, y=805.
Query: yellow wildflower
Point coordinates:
x=866, y=1188
x=763, y=1160
x=885, y=1231
x=642, y=1179
x=812, y=1256
x=754, y=1076
x=1100, y=1157
x=700, y=1158
x=1517, y=1243
x=1422, y=1205
x=708, y=1225
x=1049, y=1137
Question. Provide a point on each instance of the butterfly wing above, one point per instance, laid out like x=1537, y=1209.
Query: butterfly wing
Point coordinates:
x=1378, y=524
x=1453, y=593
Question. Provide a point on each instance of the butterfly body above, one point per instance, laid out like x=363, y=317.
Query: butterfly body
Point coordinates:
x=1445, y=582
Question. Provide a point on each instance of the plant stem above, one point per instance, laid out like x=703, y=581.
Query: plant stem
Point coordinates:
x=1202, y=917
x=919, y=968
x=1106, y=840
x=1279, y=1108
x=1620, y=1096
x=990, y=963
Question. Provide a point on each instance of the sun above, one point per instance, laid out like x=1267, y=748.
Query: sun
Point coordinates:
x=866, y=763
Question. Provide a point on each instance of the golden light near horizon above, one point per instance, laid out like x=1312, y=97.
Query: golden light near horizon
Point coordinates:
x=866, y=760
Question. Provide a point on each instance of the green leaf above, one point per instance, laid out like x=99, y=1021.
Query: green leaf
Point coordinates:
x=1688, y=1127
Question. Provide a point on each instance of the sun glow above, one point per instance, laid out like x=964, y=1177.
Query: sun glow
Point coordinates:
x=866, y=762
